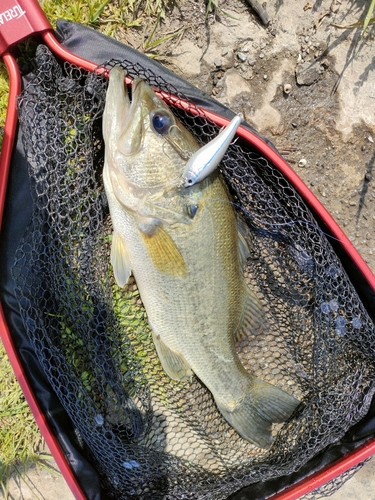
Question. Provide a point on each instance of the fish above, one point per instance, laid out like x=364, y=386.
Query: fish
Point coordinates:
x=186, y=248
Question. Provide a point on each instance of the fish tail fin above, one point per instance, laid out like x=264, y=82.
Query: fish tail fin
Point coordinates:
x=263, y=405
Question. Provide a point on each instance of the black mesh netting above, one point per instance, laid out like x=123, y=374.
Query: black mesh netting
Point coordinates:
x=148, y=436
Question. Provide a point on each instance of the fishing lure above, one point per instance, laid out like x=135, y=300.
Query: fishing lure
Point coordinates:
x=204, y=161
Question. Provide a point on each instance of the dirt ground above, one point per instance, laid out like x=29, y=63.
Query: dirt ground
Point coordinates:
x=307, y=86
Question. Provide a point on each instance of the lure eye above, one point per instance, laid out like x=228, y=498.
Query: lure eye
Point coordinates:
x=160, y=123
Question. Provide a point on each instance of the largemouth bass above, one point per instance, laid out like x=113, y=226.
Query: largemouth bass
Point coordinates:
x=186, y=250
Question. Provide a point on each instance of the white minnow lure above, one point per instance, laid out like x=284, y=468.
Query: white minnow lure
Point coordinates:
x=204, y=161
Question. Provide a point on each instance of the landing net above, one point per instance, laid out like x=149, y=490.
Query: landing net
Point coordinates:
x=148, y=436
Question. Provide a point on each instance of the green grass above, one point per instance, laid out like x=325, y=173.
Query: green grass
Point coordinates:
x=105, y=15
x=369, y=19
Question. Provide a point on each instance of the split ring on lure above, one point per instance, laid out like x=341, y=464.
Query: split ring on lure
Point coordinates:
x=185, y=155
x=204, y=161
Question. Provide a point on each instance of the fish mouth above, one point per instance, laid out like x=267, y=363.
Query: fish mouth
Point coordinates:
x=137, y=82
x=137, y=107
x=136, y=110
x=133, y=101
x=143, y=94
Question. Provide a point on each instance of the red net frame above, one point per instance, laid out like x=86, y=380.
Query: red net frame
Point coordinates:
x=25, y=18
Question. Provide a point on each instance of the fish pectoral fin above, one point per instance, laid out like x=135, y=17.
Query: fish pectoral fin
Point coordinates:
x=173, y=364
x=120, y=260
x=164, y=253
x=262, y=405
x=253, y=318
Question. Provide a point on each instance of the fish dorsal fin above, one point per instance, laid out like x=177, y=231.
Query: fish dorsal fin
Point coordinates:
x=163, y=251
x=253, y=319
x=244, y=240
x=120, y=260
x=173, y=364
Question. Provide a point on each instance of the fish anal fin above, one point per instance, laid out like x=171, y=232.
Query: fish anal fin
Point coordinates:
x=253, y=318
x=120, y=260
x=173, y=364
x=164, y=253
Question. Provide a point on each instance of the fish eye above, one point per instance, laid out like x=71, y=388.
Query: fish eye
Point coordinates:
x=160, y=122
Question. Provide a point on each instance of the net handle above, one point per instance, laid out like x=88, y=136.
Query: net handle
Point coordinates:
x=19, y=20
